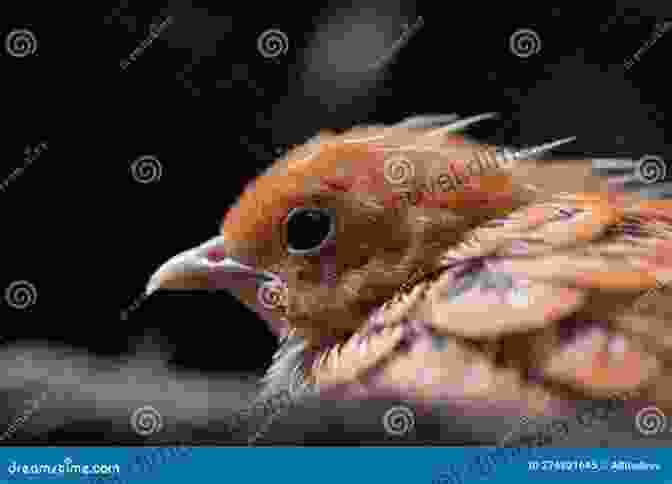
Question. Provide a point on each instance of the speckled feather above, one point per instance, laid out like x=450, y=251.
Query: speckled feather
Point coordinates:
x=442, y=337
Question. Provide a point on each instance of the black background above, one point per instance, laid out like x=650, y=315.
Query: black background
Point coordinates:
x=214, y=112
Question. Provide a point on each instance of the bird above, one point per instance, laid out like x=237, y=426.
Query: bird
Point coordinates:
x=413, y=261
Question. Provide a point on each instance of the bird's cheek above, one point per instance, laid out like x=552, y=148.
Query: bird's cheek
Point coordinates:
x=267, y=300
x=329, y=266
x=233, y=282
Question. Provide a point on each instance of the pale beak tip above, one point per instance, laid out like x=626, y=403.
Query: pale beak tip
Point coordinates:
x=153, y=285
x=151, y=288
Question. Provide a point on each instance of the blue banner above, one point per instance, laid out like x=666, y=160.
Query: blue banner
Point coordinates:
x=327, y=465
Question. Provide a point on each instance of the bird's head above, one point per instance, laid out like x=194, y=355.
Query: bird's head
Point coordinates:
x=335, y=228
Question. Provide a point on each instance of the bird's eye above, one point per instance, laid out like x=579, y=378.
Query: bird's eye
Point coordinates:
x=309, y=229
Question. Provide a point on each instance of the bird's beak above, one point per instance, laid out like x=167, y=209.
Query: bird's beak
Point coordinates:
x=203, y=267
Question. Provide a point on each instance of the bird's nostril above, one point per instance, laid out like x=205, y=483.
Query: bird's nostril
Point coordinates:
x=216, y=254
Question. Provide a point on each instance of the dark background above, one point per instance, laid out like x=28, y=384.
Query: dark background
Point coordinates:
x=214, y=112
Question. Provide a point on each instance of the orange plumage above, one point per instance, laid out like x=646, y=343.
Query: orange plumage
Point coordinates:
x=550, y=230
